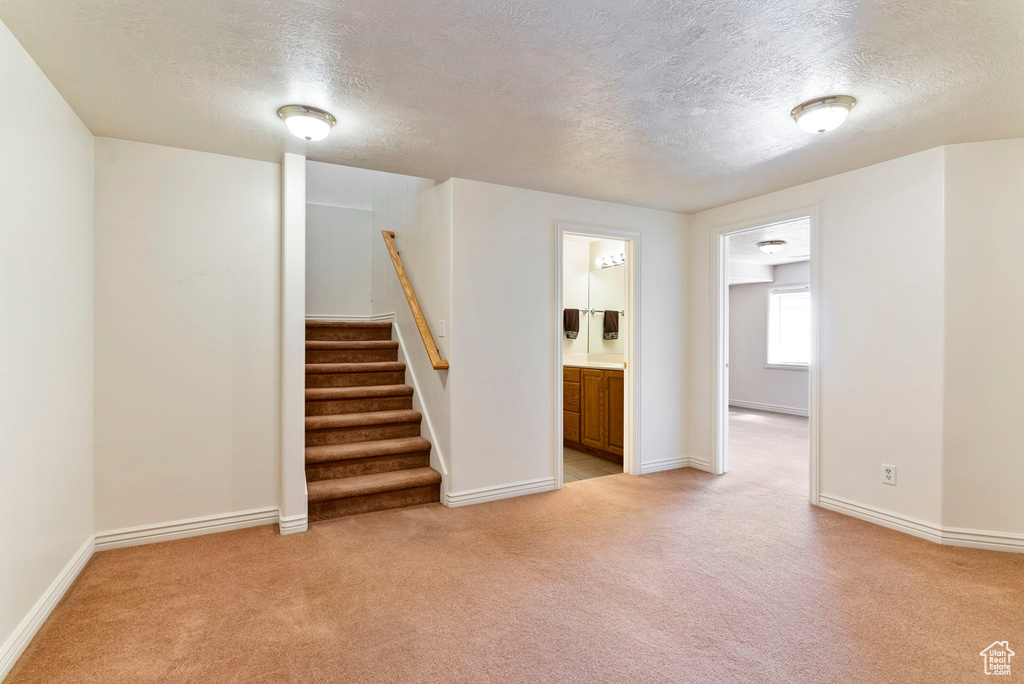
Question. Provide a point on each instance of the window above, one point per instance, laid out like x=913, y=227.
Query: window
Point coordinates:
x=789, y=327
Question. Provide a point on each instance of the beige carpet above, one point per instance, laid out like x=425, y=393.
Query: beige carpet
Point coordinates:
x=671, y=577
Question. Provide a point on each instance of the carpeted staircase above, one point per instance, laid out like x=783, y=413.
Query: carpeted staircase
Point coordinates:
x=363, y=446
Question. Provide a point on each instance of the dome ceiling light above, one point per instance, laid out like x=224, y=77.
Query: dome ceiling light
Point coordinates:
x=771, y=246
x=308, y=123
x=823, y=114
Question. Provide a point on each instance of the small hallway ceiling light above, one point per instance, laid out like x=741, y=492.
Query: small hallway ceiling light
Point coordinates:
x=308, y=123
x=823, y=114
x=771, y=246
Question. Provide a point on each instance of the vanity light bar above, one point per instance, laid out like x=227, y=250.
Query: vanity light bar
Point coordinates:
x=612, y=260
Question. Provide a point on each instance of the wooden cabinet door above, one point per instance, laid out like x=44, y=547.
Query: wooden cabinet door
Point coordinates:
x=592, y=408
x=615, y=398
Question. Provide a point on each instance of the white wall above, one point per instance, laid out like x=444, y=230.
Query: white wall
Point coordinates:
x=338, y=258
x=607, y=291
x=984, y=373
x=419, y=211
x=339, y=239
x=741, y=272
x=576, y=292
x=503, y=370
x=340, y=186
x=46, y=309
x=187, y=255
x=749, y=380
x=882, y=351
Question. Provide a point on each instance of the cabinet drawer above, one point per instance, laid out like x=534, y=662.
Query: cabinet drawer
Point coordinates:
x=570, y=426
x=570, y=375
x=571, y=396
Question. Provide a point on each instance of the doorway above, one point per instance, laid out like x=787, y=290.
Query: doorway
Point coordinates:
x=765, y=361
x=596, y=352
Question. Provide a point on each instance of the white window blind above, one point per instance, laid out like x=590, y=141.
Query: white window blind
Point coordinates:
x=789, y=326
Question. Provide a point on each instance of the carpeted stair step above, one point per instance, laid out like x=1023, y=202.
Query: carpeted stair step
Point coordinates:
x=320, y=375
x=350, y=351
x=376, y=492
x=333, y=400
x=364, y=458
x=364, y=451
x=348, y=330
x=361, y=427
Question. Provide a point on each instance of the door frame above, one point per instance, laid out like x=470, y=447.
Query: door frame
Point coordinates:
x=720, y=341
x=631, y=375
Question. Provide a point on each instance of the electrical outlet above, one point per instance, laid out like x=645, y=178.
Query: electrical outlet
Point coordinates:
x=440, y=328
x=888, y=474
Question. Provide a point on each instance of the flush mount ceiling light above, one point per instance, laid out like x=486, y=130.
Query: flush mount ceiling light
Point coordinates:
x=823, y=114
x=308, y=123
x=771, y=246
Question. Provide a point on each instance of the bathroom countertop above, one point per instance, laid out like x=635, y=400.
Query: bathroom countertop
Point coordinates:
x=595, y=364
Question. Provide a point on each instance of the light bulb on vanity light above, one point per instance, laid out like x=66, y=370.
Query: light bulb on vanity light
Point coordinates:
x=611, y=260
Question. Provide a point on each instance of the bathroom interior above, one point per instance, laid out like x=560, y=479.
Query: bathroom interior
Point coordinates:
x=593, y=356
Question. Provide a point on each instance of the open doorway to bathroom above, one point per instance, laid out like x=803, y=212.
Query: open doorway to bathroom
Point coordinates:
x=766, y=361
x=596, y=342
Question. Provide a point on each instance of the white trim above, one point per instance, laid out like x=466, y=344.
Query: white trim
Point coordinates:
x=755, y=406
x=292, y=447
x=699, y=463
x=30, y=624
x=947, y=536
x=720, y=341
x=879, y=516
x=676, y=463
x=665, y=464
x=983, y=539
x=191, y=527
x=440, y=461
x=631, y=453
x=788, y=366
x=293, y=524
x=484, y=494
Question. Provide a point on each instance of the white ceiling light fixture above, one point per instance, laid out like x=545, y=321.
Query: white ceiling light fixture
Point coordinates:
x=771, y=246
x=823, y=114
x=308, y=123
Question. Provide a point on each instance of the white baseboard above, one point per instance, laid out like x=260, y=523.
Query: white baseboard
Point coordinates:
x=482, y=494
x=673, y=463
x=947, y=536
x=293, y=524
x=894, y=521
x=700, y=464
x=983, y=539
x=753, y=405
x=664, y=464
x=30, y=624
x=178, y=529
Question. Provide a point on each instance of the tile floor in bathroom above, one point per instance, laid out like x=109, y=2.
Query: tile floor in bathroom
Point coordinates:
x=580, y=466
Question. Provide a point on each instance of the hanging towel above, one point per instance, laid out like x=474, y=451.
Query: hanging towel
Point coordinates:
x=571, y=323
x=611, y=325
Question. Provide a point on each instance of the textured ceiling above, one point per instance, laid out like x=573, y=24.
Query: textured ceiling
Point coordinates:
x=673, y=104
x=797, y=234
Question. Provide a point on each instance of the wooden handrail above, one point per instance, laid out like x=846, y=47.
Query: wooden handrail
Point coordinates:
x=417, y=313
